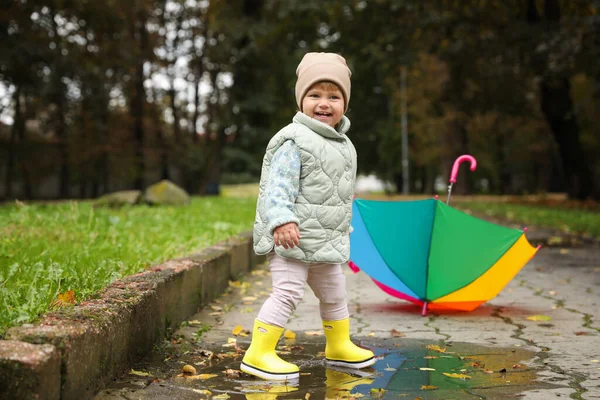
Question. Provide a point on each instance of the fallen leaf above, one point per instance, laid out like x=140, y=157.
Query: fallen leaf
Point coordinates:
x=239, y=331
x=248, y=299
x=372, y=334
x=64, y=299
x=314, y=333
x=307, y=396
x=200, y=376
x=437, y=348
x=204, y=392
x=139, y=373
x=206, y=353
x=457, y=376
x=539, y=318
x=554, y=240
x=216, y=314
x=377, y=392
x=236, y=331
x=595, y=361
x=222, y=396
x=232, y=373
x=430, y=357
x=515, y=366
x=258, y=272
x=552, y=292
x=564, y=251
x=247, y=310
x=427, y=369
x=229, y=354
x=389, y=368
x=289, y=334
x=428, y=387
x=195, y=322
x=188, y=369
x=396, y=333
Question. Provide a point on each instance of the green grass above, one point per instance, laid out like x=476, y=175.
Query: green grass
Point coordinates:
x=49, y=249
x=576, y=221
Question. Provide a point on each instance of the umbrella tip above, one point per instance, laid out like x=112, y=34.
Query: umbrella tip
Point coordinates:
x=525, y=229
x=437, y=196
x=353, y=267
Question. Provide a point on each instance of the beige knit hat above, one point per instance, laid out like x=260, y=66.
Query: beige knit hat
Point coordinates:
x=317, y=67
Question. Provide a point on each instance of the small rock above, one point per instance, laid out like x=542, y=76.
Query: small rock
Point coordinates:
x=166, y=193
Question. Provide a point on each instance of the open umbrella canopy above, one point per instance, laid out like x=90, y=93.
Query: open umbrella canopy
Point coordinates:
x=434, y=255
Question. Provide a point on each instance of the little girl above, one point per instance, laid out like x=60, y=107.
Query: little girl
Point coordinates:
x=303, y=218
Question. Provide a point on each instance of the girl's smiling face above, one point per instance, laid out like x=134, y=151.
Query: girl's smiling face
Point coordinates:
x=324, y=102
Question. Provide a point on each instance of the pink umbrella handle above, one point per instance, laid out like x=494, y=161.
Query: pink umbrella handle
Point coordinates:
x=457, y=163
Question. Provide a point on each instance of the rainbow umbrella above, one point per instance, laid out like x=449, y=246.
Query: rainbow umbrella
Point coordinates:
x=433, y=255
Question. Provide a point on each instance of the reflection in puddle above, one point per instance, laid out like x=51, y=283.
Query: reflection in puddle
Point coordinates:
x=405, y=368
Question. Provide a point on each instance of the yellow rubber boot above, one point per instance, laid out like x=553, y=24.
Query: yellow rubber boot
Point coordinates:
x=340, y=351
x=340, y=384
x=261, y=360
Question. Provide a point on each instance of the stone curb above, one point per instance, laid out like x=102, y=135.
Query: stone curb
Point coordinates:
x=99, y=339
x=29, y=371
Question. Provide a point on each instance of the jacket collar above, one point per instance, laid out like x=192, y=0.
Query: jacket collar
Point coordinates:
x=321, y=128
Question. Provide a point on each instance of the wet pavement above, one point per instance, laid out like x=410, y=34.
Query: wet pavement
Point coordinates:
x=539, y=339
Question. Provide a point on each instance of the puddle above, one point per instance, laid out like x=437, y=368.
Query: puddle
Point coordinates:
x=404, y=369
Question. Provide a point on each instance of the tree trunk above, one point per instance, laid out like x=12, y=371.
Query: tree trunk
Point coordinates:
x=61, y=126
x=213, y=170
x=137, y=108
x=103, y=169
x=398, y=182
x=215, y=141
x=504, y=177
x=196, y=117
x=557, y=106
x=174, y=110
x=558, y=109
x=164, y=148
x=64, y=149
x=11, y=145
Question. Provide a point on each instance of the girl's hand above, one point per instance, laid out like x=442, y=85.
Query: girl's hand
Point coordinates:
x=287, y=235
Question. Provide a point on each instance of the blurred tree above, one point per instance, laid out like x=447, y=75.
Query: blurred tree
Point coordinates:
x=552, y=61
x=116, y=94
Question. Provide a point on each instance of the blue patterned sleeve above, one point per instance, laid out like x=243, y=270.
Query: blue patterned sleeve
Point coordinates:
x=282, y=186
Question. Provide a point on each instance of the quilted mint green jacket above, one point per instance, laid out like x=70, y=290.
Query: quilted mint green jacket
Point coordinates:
x=324, y=203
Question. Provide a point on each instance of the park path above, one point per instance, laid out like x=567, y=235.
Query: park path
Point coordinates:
x=555, y=357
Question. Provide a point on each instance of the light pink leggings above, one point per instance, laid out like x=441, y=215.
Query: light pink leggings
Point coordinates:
x=327, y=281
